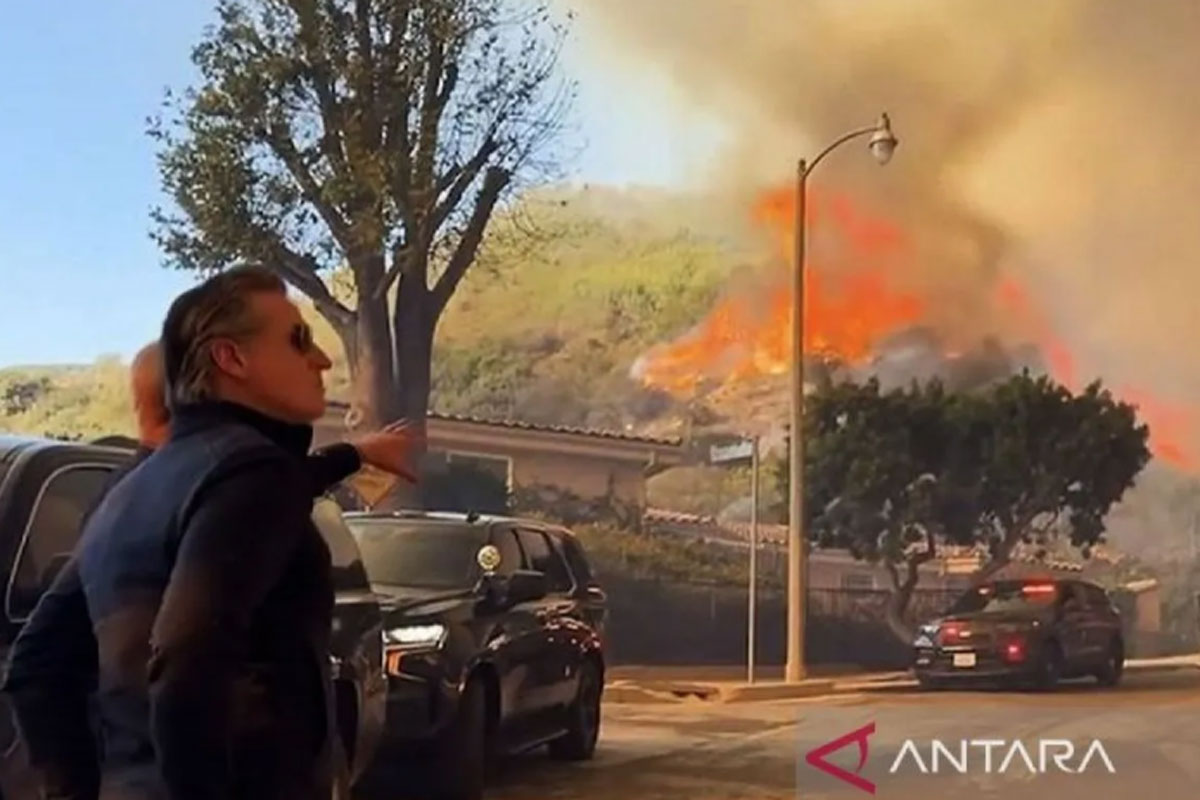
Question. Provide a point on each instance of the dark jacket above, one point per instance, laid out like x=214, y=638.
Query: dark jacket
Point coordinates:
x=214, y=527
x=52, y=667
x=51, y=676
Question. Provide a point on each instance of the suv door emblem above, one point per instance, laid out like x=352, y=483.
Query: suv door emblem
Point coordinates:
x=488, y=557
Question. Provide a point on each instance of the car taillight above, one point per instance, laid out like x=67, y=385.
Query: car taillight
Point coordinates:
x=1013, y=649
x=950, y=632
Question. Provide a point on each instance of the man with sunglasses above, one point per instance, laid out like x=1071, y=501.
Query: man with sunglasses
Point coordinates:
x=52, y=667
x=207, y=586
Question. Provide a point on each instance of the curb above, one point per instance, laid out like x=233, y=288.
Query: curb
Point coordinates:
x=753, y=692
x=629, y=691
x=1162, y=667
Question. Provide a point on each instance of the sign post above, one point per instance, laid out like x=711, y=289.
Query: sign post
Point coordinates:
x=740, y=451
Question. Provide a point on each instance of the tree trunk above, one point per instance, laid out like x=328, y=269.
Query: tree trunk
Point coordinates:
x=896, y=614
x=375, y=400
x=999, y=560
x=412, y=326
x=897, y=609
x=412, y=331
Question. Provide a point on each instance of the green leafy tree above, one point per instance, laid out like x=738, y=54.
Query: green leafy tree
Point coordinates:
x=892, y=476
x=378, y=136
x=465, y=487
x=880, y=479
x=1052, y=464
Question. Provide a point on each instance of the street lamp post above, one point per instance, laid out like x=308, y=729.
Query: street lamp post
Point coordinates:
x=882, y=144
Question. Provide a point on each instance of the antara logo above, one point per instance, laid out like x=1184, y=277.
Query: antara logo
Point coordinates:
x=1060, y=751
x=816, y=758
x=999, y=756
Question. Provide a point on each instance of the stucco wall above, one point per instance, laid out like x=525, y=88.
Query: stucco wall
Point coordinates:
x=586, y=476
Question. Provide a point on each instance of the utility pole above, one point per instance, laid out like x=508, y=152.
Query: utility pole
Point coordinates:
x=882, y=144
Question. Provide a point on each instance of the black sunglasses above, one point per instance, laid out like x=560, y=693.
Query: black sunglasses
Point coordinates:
x=301, y=338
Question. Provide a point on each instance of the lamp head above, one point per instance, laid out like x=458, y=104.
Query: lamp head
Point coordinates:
x=883, y=142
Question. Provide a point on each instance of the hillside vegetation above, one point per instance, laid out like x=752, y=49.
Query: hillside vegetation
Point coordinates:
x=571, y=286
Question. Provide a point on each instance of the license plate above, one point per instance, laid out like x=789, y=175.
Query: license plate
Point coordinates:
x=964, y=659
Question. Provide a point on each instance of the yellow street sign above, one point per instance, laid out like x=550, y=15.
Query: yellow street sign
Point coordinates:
x=373, y=484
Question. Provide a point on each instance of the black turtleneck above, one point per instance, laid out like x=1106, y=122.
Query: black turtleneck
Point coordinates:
x=327, y=466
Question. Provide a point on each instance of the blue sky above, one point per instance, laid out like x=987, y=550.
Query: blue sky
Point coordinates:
x=79, y=276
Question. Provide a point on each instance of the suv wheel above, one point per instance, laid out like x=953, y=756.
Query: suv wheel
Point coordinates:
x=1050, y=669
x=1114, y=665
x=460, y=766
x=583, y=718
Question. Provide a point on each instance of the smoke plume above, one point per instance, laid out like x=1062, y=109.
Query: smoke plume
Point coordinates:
x=1046, y=143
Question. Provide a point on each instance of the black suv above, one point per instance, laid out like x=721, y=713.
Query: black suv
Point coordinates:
x=493, y=638
x=1028, y=631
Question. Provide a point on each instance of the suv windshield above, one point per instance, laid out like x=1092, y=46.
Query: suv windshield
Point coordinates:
x=419, y=554
x=1006, y=597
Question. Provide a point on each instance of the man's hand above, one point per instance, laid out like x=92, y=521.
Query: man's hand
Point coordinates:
x=392, y=449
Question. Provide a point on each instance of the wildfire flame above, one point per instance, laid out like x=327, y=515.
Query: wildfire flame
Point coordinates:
x=851, y=305
x=1170, y=425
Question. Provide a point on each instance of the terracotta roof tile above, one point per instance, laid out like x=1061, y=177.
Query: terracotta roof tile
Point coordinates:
x=528, y=426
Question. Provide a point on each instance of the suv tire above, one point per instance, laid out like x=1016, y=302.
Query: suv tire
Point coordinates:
x=583, y=718
x=461, y=762
x=1050, y=669
x=1114, y=664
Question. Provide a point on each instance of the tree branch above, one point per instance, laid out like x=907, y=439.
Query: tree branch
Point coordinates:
x=440, y=80
x=367, y=87
x=494, y=182
x=280, y=141
x=318, y=71
x=301, y=272
x=455, y=182
x=396, y=99
x=893, y=573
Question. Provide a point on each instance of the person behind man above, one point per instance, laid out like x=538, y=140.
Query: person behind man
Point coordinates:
x=208, y=587
x=53, y=664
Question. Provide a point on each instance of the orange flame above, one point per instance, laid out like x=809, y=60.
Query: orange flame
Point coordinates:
x=1170, y=425
x=1013, y=298
x=848, y=309
x=850, y=306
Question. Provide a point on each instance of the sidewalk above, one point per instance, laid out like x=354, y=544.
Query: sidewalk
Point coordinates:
x=728, y=684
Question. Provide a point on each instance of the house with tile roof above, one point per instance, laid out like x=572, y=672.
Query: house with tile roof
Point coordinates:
x=587, y=463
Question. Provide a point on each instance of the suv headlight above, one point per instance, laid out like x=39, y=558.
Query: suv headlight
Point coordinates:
x=412, y=636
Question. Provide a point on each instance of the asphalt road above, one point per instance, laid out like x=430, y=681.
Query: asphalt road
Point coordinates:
x=1149, y=728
